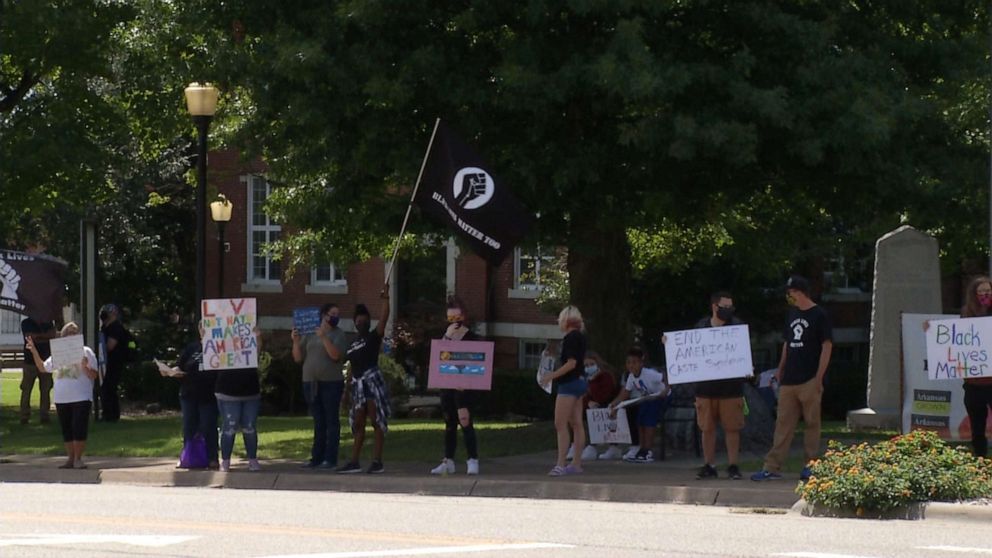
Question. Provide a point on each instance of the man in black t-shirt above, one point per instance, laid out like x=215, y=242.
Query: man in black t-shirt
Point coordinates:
x=115, y=340
x=40, y=332
x=805, y=357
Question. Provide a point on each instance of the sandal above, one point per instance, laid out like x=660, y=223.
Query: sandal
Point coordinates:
x=558, y=471
x=66, y=465
x=572, y=470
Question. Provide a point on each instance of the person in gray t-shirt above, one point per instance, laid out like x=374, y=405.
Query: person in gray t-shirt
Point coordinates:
x=322, y=355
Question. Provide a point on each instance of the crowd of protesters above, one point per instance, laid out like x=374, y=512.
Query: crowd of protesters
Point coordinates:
x=580, y=380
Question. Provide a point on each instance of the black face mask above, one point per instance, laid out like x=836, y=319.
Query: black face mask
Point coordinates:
x=103, y=316
x=724, y=314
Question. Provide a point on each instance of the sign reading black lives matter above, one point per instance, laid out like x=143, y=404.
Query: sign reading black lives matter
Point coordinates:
x=459, y=189
x=32, y=284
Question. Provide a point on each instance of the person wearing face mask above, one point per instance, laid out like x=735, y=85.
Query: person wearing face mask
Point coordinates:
x=602, y=383
x=368, y=393
x=720, y=401
x=197, y=400
x=801, y=370
x=978, y=391
x=456, y=404
x=322, y=356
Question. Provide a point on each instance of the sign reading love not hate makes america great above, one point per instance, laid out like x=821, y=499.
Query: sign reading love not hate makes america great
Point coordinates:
x=229, y=333
x=959, y=348
x=714, y=353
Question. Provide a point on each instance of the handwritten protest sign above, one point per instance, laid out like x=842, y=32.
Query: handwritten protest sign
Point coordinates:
x=228, y=333
x=306, y=320
x=461, y=365
x=714, y=353
x=606, y=430
x=67, y=351
x=959, y=348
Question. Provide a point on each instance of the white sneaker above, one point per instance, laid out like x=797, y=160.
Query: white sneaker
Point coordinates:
x=447, y=467
x=612, y=452
x=589, y=453
x=253, y=465
x=571, y=452
x=632, y=452
x=225, y=465
x=473, y=467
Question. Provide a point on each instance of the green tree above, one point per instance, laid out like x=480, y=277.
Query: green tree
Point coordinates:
x=647, y=135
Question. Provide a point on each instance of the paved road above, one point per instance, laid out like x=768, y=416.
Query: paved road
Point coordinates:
x=114, y=520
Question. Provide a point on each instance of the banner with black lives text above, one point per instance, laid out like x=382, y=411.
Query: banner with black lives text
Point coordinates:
x=229, y=333
x=32, y=284
x=460, y=190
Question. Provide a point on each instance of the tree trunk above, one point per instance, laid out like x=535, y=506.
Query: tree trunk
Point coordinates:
x=599, y=280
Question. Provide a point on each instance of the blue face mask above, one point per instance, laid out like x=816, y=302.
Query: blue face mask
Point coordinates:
x=333, y=320
x=591, y=369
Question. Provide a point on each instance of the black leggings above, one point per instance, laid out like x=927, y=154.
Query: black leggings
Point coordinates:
x=74, y=419
x=977, y=400
x=451, y=401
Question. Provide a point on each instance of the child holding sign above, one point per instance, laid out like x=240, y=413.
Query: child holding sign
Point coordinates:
x=648, y=386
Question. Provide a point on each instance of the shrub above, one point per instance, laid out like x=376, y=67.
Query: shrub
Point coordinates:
x=142, y=383
x=516, y=392
x=915, y=467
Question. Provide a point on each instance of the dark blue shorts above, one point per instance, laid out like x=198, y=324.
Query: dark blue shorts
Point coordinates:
x=649, y=412
x=574, y=388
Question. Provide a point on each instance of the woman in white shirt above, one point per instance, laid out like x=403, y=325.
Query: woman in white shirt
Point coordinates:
x=73, y=395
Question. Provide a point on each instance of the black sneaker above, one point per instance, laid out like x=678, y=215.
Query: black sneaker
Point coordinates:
x=308, y=465
x=734, y=472
x=706, y=472
x=348, y=468
x=375, y=467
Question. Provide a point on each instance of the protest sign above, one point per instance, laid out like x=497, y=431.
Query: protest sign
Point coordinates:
x=957, y=348
x=67, y=351
x=229, y=333
x=461, y=365
x=606, y=430
x=306, y=320
x=714, y=353
x=928, y=403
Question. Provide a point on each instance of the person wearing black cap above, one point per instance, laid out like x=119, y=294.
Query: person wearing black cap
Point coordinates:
x=113, y=340
x=367, y=387
x=805, y=357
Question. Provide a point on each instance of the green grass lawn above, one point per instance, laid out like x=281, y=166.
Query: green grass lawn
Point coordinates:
x=279, y=437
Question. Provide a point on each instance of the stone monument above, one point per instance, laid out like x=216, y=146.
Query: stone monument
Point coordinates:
x=907, y=279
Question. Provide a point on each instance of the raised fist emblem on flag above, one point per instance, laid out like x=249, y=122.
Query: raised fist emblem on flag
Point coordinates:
x=473, y=187
x=10, y=281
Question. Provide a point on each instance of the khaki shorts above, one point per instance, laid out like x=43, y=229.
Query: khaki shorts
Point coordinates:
x=729, y=413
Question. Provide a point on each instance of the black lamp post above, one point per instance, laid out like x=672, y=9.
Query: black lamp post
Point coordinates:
x=220, y=212
x=201, y=101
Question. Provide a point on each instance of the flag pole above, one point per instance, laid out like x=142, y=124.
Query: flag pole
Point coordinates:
x=409, y=207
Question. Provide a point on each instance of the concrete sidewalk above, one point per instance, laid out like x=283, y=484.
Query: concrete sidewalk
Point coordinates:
x=525, y=476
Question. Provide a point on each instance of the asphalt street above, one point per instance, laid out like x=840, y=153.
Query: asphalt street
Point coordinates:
x=40, y=519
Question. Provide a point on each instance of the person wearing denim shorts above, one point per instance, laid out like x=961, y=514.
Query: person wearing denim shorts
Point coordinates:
x=571, y=385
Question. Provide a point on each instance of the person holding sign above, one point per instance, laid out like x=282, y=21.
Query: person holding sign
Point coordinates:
x=720, y=401
x=196, y=398
x=647, y=386
x=978, y=391
x=73, y=395
x=239, y=400
x=805, y=357
x=456, y=404
x=322, y=355
x=369, y=397
x=571, y=384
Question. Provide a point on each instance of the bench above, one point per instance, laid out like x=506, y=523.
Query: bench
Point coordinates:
x=11, y=358
x=679, y=414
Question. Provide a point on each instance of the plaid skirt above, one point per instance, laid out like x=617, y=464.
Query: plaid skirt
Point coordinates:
x=371, y=386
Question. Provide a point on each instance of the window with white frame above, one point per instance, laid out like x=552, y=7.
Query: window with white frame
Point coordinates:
x=327, y=275
x=528, y=264
x=530, y=351
x=261, y=231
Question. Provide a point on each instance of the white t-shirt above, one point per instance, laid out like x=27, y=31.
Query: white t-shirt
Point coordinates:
x=71, y=383
x=650, y=382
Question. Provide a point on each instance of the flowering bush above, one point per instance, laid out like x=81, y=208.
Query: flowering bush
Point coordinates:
x=916, y=467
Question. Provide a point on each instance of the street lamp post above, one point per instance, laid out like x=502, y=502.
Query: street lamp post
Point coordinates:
x=201, y=101
x=220, y=212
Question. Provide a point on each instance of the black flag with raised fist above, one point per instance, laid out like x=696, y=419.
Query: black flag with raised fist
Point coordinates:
x=32, y=284
x=459, y=189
